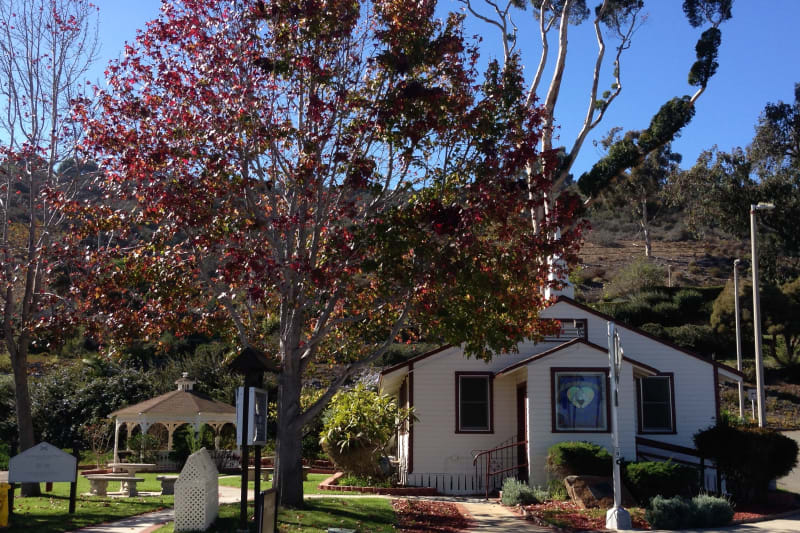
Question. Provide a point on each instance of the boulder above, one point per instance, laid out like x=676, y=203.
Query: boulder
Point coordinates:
x=595, y=491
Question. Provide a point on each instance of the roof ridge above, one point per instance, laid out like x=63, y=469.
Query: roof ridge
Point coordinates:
x=639, y=331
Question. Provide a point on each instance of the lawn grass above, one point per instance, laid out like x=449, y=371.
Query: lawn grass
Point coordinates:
x=365, y=515
x=48, y=513
x=309, y=487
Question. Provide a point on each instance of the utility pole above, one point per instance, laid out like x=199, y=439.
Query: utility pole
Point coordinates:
x=761, y=400
x=738, y=334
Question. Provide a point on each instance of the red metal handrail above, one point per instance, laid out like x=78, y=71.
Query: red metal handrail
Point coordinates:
x=489, y=453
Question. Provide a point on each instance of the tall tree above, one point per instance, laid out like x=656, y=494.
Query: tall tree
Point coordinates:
x=720, y=188
x=46, y=47
x=325, y=167
x=639, y=191
x=618, y=19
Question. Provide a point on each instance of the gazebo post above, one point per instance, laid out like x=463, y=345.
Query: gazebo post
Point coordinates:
x=117, y=424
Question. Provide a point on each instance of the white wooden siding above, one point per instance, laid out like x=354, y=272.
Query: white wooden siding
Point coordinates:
x=695, y=396
x=541, y=436
x=437, y=446
x=439, y=450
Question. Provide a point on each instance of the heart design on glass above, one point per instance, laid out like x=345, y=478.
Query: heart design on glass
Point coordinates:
x=580, y=397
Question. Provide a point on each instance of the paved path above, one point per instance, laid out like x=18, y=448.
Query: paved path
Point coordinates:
x=792, y=481
x=145, y=523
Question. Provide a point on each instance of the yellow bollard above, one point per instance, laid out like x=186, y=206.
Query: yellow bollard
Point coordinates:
x=4, y=488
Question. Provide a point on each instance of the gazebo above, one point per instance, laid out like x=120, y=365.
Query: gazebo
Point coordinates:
x=172, y=410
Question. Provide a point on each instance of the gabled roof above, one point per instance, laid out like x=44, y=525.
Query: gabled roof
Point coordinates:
x=410, y=362
x=565, y=299
x=604, y=316
x=647, y=368
x=179, y=403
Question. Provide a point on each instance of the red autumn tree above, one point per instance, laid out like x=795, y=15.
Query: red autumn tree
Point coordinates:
x=323, y=172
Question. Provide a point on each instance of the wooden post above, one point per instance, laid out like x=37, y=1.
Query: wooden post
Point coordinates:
x=73, y=487
x=245, y=458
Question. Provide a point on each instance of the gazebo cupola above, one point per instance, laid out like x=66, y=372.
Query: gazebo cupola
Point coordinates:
x=184, y=383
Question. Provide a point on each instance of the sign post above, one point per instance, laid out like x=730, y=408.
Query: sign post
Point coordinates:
x=617, y=517
x=251, y=421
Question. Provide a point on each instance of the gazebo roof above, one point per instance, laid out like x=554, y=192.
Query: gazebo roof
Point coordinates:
x=182, y=403
x=177, y=403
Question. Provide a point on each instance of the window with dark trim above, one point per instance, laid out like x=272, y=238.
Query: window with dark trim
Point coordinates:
x=656, y=404
x=580, y=400
x=473, y=402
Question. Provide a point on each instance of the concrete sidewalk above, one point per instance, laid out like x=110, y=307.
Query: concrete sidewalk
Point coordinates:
x=148, y=522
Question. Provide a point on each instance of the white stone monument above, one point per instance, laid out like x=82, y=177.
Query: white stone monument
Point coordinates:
x=197, y=493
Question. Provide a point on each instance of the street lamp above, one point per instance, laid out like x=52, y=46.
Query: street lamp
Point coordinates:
x=738, y=333
x=762, y=415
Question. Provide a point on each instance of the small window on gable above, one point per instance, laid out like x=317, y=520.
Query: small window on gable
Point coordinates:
x=656, y=404
x=473, y=403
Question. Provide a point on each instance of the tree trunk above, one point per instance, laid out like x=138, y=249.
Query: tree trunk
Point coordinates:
x=289, y=453
x=648, y=246
x=19, y=363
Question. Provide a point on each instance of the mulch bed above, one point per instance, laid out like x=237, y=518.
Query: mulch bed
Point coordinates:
x=419, y=516
x=757, y=511
x=569, y=516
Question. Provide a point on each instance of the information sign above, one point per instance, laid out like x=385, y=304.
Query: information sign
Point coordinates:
x=257, y=417
x=40, y=463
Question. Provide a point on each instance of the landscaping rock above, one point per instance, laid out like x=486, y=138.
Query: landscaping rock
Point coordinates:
x=595, y=491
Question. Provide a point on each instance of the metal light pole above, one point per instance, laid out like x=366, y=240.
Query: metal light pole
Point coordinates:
x=617, y=517
x=738, y=334
x=761, y=400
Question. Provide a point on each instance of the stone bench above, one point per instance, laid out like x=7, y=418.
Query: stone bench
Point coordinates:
x=167, y=484
x=99, y=484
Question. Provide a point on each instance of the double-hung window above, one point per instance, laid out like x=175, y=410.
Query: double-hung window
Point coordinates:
x=473, y=402
x=656, y=404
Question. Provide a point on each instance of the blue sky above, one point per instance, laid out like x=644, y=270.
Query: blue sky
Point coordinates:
x=758, y=64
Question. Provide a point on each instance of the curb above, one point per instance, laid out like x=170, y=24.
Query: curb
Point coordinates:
x=330, y=484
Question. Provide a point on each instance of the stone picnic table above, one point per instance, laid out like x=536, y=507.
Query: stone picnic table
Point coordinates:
x=130, y=468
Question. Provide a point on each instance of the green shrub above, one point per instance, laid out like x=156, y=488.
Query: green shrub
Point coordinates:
x=668, y=513
x=711, y=511
x=542, y=494
x=556, y=490
x=357, y=425
x=649, y=479
x=749, y=458
x=639, y=275
x=679, y=513
x=362, y=481
x=144, y=448
x=688, y=300
x=517, y=492
x=578, y=458
x=666, y=313
x=5, y=452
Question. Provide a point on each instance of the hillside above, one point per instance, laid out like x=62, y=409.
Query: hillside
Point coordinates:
x=706, y=263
